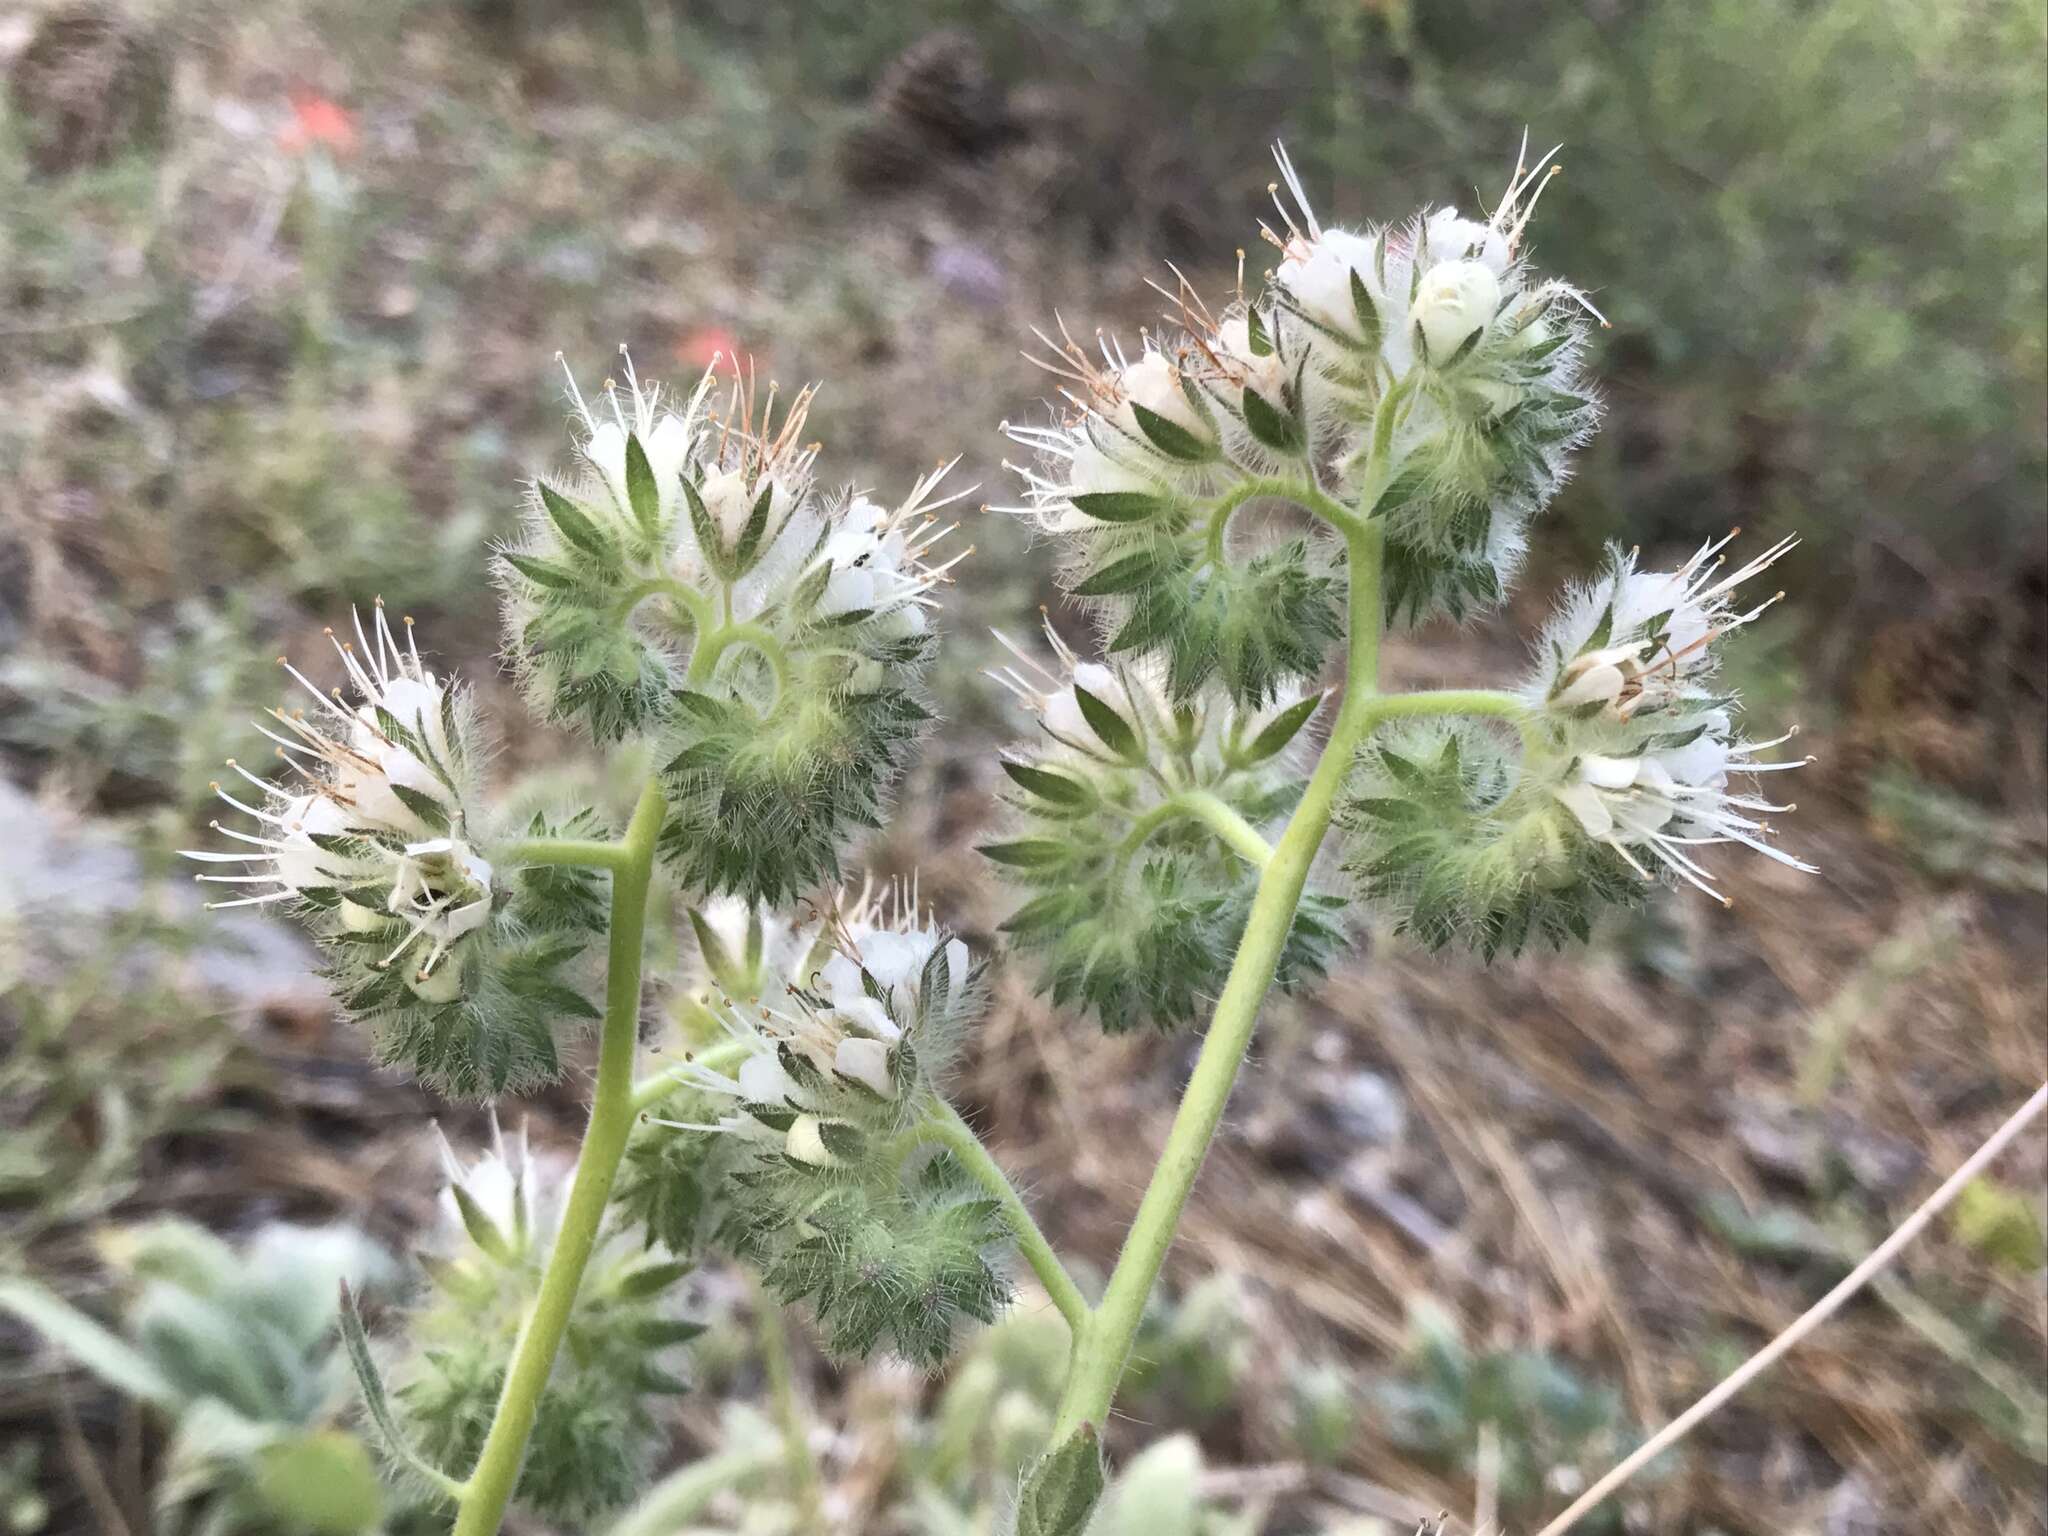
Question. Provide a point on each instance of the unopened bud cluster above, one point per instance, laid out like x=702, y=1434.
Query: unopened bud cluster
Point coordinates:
x=599, y=1427
x=1135, y=828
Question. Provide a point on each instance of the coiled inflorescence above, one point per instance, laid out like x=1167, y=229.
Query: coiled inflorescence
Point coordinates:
x=1138, y=830
x=458, y=958
x=813, y=1127
x=1630, y=764
x=693, y=586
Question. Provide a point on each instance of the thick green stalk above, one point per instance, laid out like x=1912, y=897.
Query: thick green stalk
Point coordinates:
x=1104, y=1341
x=490, y=1485
x=944, y=1126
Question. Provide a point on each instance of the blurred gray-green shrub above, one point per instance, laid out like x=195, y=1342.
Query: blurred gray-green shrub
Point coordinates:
x=236, y=1349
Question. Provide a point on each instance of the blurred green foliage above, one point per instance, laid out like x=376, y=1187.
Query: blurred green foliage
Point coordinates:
x=235, y=1348
x=1817, y=229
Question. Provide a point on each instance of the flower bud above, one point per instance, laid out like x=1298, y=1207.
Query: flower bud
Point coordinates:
x=1318, y=272
x=1454, y=299
x=1152, y=382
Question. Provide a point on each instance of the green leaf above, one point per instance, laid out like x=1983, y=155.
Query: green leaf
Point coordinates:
x=757, y=524
x=1048, y=785
x=641, y=489
x=1270, y=425
x=1061, y=1490
x=1255, y=334
x=422, y=805
x=112, y=1359
x=541, y=573
x=1171, y=439
x=356, y=1342
x=483, y=1231
x=1119, y=575
x=1280, y=730
x=322, y=1482
x=665, y=1333
x=1121, y=506
x=650, y=1280
x=1114, y=731
x=1028, y=853
x=1362, y=305
x=569, y=520
x=706, y=530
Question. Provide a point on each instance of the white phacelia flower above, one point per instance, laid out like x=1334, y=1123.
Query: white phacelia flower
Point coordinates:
x=1453, y=300
x=516, y=1197
x=1625, y=689
x=842, y=1032
x=1151, y=725
x=373, y=823
x=1636, y=640
x=1661, y=805
x=668, y=438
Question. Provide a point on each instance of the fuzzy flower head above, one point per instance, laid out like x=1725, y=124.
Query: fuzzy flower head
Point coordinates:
x=448, y=949
x=1443, y=346
x=372, y=823
x=600, y=1424
x=505, y=1204
x=1653, y=764
x=1138, y=830
x=839, y=1046
x=697, y=589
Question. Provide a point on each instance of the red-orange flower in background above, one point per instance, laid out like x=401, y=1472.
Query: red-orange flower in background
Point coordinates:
x=317, y=120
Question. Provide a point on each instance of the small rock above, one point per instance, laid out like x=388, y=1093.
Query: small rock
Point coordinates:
x=1368, y=1108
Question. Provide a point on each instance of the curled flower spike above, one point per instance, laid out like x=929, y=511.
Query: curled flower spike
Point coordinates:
x=1140, y=833
x=813, y=1133
x=453, y=956
x=698, y=589
x=378, y=835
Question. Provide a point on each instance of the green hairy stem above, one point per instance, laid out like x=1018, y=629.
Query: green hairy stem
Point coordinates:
x=489, y=1487
x=1102, y=1344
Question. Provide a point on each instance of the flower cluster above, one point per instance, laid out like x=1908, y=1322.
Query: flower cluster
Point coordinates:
x=598, y=1428
x=375, y=834
x=1629, y=764
x=1420, y=373
x=1452, y=359
x=809, y=1115
x=1137, y=831
x=692, y=584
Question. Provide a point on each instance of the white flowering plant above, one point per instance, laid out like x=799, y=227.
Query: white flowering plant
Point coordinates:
x=1244, y=504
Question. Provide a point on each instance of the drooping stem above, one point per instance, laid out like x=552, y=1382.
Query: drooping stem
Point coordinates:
x=944, y=1126
x=1203, y=806
x=489, y=1487
x=685, y=1493
x=1104, y=1342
